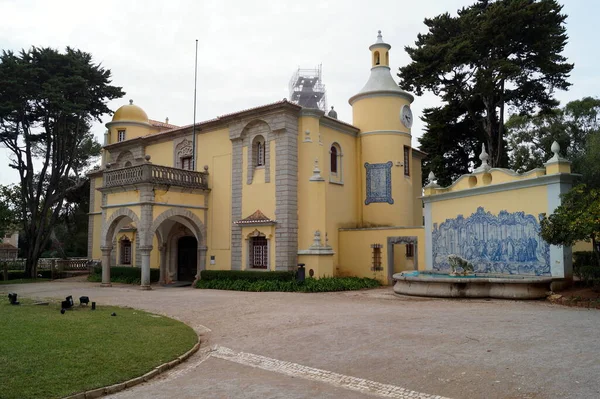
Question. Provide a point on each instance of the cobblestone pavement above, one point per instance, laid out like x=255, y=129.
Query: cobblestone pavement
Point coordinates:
x=362, y=344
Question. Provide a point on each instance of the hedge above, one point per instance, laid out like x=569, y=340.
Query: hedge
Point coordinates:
x=124, y=274
x=584, y=258
x=251, y=275
x=325, y=284
x=18, y=274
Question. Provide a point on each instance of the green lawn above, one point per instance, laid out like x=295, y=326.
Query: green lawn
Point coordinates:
x=45, y=354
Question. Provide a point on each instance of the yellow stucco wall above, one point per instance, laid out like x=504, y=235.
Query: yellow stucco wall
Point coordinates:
x=161, y=153
x=97, y=239
x=131, y=131
x=258, y=194
x=341, y=200
x=417, y=187
x=379, y=113
x=356, y=252
x=531, y=200
x=123, y=197
x=134, y=208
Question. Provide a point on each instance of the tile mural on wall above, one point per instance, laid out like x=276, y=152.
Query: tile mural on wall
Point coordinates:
x=507, y=243
x=379, y=182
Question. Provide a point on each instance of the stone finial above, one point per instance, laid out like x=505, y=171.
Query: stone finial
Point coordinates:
x=316, y=240
x=316, y=172
x=206, y=168
x=431, y=180
x=556, y=150
x=167, y=120
x=332, y=113
x=147, y=157
x=307, y=138
x=484, y=167
x=130, y=102
x=379, y=37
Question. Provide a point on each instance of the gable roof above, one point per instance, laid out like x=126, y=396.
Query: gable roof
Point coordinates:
x=256, y=218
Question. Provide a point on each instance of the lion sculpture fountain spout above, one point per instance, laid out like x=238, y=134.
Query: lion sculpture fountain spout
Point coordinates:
x=458, y=262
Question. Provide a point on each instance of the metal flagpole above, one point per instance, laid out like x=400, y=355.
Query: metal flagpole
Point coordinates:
x=194, y=128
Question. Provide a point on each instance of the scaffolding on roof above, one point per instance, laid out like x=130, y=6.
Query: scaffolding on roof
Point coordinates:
x=307, y=88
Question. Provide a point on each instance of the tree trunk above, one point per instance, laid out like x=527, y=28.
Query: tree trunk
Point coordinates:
x=595, y=250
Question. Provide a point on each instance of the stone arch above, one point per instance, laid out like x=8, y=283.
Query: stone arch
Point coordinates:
x=185, y=217
x=124, y=157
x=110, y=226
x=253, y=130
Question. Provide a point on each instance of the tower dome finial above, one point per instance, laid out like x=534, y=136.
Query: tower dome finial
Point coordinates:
x=130, y=102
x=379, y=37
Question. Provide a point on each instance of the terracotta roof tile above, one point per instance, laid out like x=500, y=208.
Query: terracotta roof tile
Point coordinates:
x=162, y=124
x=6, y=245
x=256, y=218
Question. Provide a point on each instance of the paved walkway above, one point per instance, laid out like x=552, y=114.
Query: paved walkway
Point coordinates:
x=363, y=344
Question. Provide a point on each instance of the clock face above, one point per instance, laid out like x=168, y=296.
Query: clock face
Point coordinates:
x=406, y=116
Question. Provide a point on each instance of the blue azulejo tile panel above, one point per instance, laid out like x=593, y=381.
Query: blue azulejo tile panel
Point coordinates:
x=379, y=182
x=506, y=243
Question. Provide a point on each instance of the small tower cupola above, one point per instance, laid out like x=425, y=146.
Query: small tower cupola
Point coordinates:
x=380, y=52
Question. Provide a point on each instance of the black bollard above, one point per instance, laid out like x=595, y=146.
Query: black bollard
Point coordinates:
x=300, y=273
x=93, y=305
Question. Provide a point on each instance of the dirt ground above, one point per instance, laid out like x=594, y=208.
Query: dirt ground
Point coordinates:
x=341, y=345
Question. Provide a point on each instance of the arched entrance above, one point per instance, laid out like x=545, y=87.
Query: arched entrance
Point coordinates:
x=187, y=258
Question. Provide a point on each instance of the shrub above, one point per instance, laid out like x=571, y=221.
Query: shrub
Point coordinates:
x=326, y=284
x=589, y=275
x=584, y=258
x=124, y=274
x=18, y=275
x=245, y=275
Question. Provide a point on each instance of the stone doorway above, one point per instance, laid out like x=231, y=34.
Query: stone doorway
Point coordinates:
x=187, y=262
x=408, y=245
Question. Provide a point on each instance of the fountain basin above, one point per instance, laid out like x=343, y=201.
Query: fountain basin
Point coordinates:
x=479, y=285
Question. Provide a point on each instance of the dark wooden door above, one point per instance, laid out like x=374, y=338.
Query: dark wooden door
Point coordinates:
x=187, y=251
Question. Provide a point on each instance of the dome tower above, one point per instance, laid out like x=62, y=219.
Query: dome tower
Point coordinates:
x=382, y=112
x=128, y=122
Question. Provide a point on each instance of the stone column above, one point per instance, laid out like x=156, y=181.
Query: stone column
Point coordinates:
x=163, y=264
x=145, y=253
x=201, y=259
x=106, y=266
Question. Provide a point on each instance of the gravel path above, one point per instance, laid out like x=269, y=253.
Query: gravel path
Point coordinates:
x=452, y=348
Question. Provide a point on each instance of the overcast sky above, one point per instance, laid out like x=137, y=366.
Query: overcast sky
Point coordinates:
x=248, y=50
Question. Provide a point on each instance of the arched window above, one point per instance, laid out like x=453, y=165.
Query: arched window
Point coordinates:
x=376, y=60
x=127, y=164
x=387, y=58
x=335, y=164
x=334, y=159
x=259, y=151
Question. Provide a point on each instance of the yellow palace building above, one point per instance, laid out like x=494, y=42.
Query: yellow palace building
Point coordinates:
x=270, y=187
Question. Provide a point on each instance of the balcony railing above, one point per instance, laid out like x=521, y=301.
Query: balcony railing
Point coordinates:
x=155, y=174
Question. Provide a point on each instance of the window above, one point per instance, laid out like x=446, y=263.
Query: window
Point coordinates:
x=125, y=251
x=121, y=135
x=410, y=250
x=335, y=164
x=334, y=159
x=376, y=60
x=186, y=163
x=127, y=164
x=376, y=257
x=259, y=253
x=259, y=151
x=406, y=161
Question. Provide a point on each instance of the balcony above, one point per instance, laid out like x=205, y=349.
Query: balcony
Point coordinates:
x=155, y=174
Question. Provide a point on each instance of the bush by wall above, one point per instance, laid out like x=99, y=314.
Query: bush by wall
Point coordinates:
x=584, y=258
x=326, y=284
x=124, y=274
x=249, y=275
x=18, y=274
